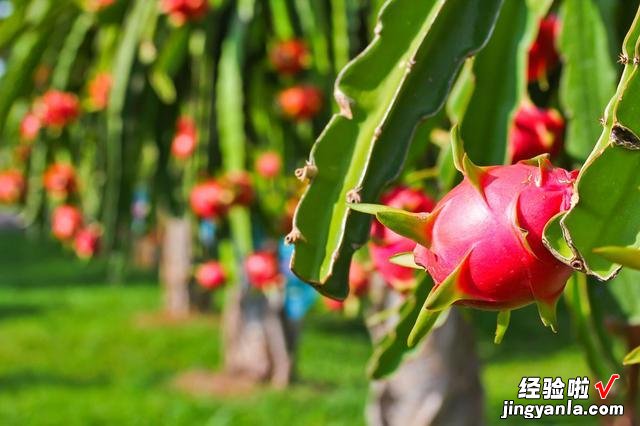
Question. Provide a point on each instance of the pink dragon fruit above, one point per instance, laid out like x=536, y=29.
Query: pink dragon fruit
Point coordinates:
x=482, y=244
x=536, y=131
x=385, y=243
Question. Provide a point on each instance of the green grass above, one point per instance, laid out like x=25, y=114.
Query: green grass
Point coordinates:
x=73, y=352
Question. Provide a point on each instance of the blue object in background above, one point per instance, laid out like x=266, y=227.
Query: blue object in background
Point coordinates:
x=207, y=232
x=299, y=297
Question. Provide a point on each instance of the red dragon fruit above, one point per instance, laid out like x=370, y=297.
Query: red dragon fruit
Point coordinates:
x=262, y=270
x=87, y=242
x=543, y=55
x=210, y=275
x=385, y=243
x=239, y=184
x=482, y=244
x=185, y=140
x=332, y=304
x=30, y=127
x=60, y=180
x=66, y=221
x=210, y=199
x=99, y=89
x=268, y=164
x=182, y=11
x=300, y=102
x=57, y=109
x=11, y=186
x=289, y=57
x=536, y=131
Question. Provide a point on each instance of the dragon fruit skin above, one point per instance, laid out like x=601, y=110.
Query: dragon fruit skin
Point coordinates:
x=488, y=238
x=535, y=131
x=385, y=243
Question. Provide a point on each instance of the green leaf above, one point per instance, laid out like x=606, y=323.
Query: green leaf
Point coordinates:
x=588, y=77
x=392, y=348
x=500, y=71
x=632, y=357
x=608, y=185
x=402, y=77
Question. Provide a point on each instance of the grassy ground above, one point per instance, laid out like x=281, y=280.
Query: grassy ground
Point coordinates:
x=73, y=351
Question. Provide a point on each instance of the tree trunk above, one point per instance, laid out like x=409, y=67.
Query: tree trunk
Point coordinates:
x=257, y=340
x=438, y=385
x=175, y=266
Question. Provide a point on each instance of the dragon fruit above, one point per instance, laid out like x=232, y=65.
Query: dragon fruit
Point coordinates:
x=262, y=270
x=543, y=55
x=300, y=102
x=385, y=243
x=268, y=164
x=289, y=57
x=12, y=186
x=185, y=140
x=210, y=275
x=57, y=109
x=87, y=242
x=183, y=11
x=60, y=180
x=536, y=131
x=66, y=221
x=210, y=199
x=30, y=127
x=99, y=89
x=482, y=244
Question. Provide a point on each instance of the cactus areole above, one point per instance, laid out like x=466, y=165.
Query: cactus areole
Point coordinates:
x=482, y=244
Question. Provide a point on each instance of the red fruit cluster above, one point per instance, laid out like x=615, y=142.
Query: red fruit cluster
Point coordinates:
x=268, y=164
x=484, y=240
x=300, y=102
x=182, y=11
x=210, y=275
x=12, y=186
x=210, y=199
x=66, y=221
x=67, y=225
x=262, y=270
x=30, y=127
x=289, y=57
x=536, y=131
x=57, y=109
x=385, y=243
x=543, y=55
x=186, y=137
x=99, y=90
x=60, y=180
x=240, y=185
x=87, y=241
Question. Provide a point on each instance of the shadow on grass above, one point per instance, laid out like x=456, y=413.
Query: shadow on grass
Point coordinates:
x=13, y=310
x=39, y=262
x=22, y=380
